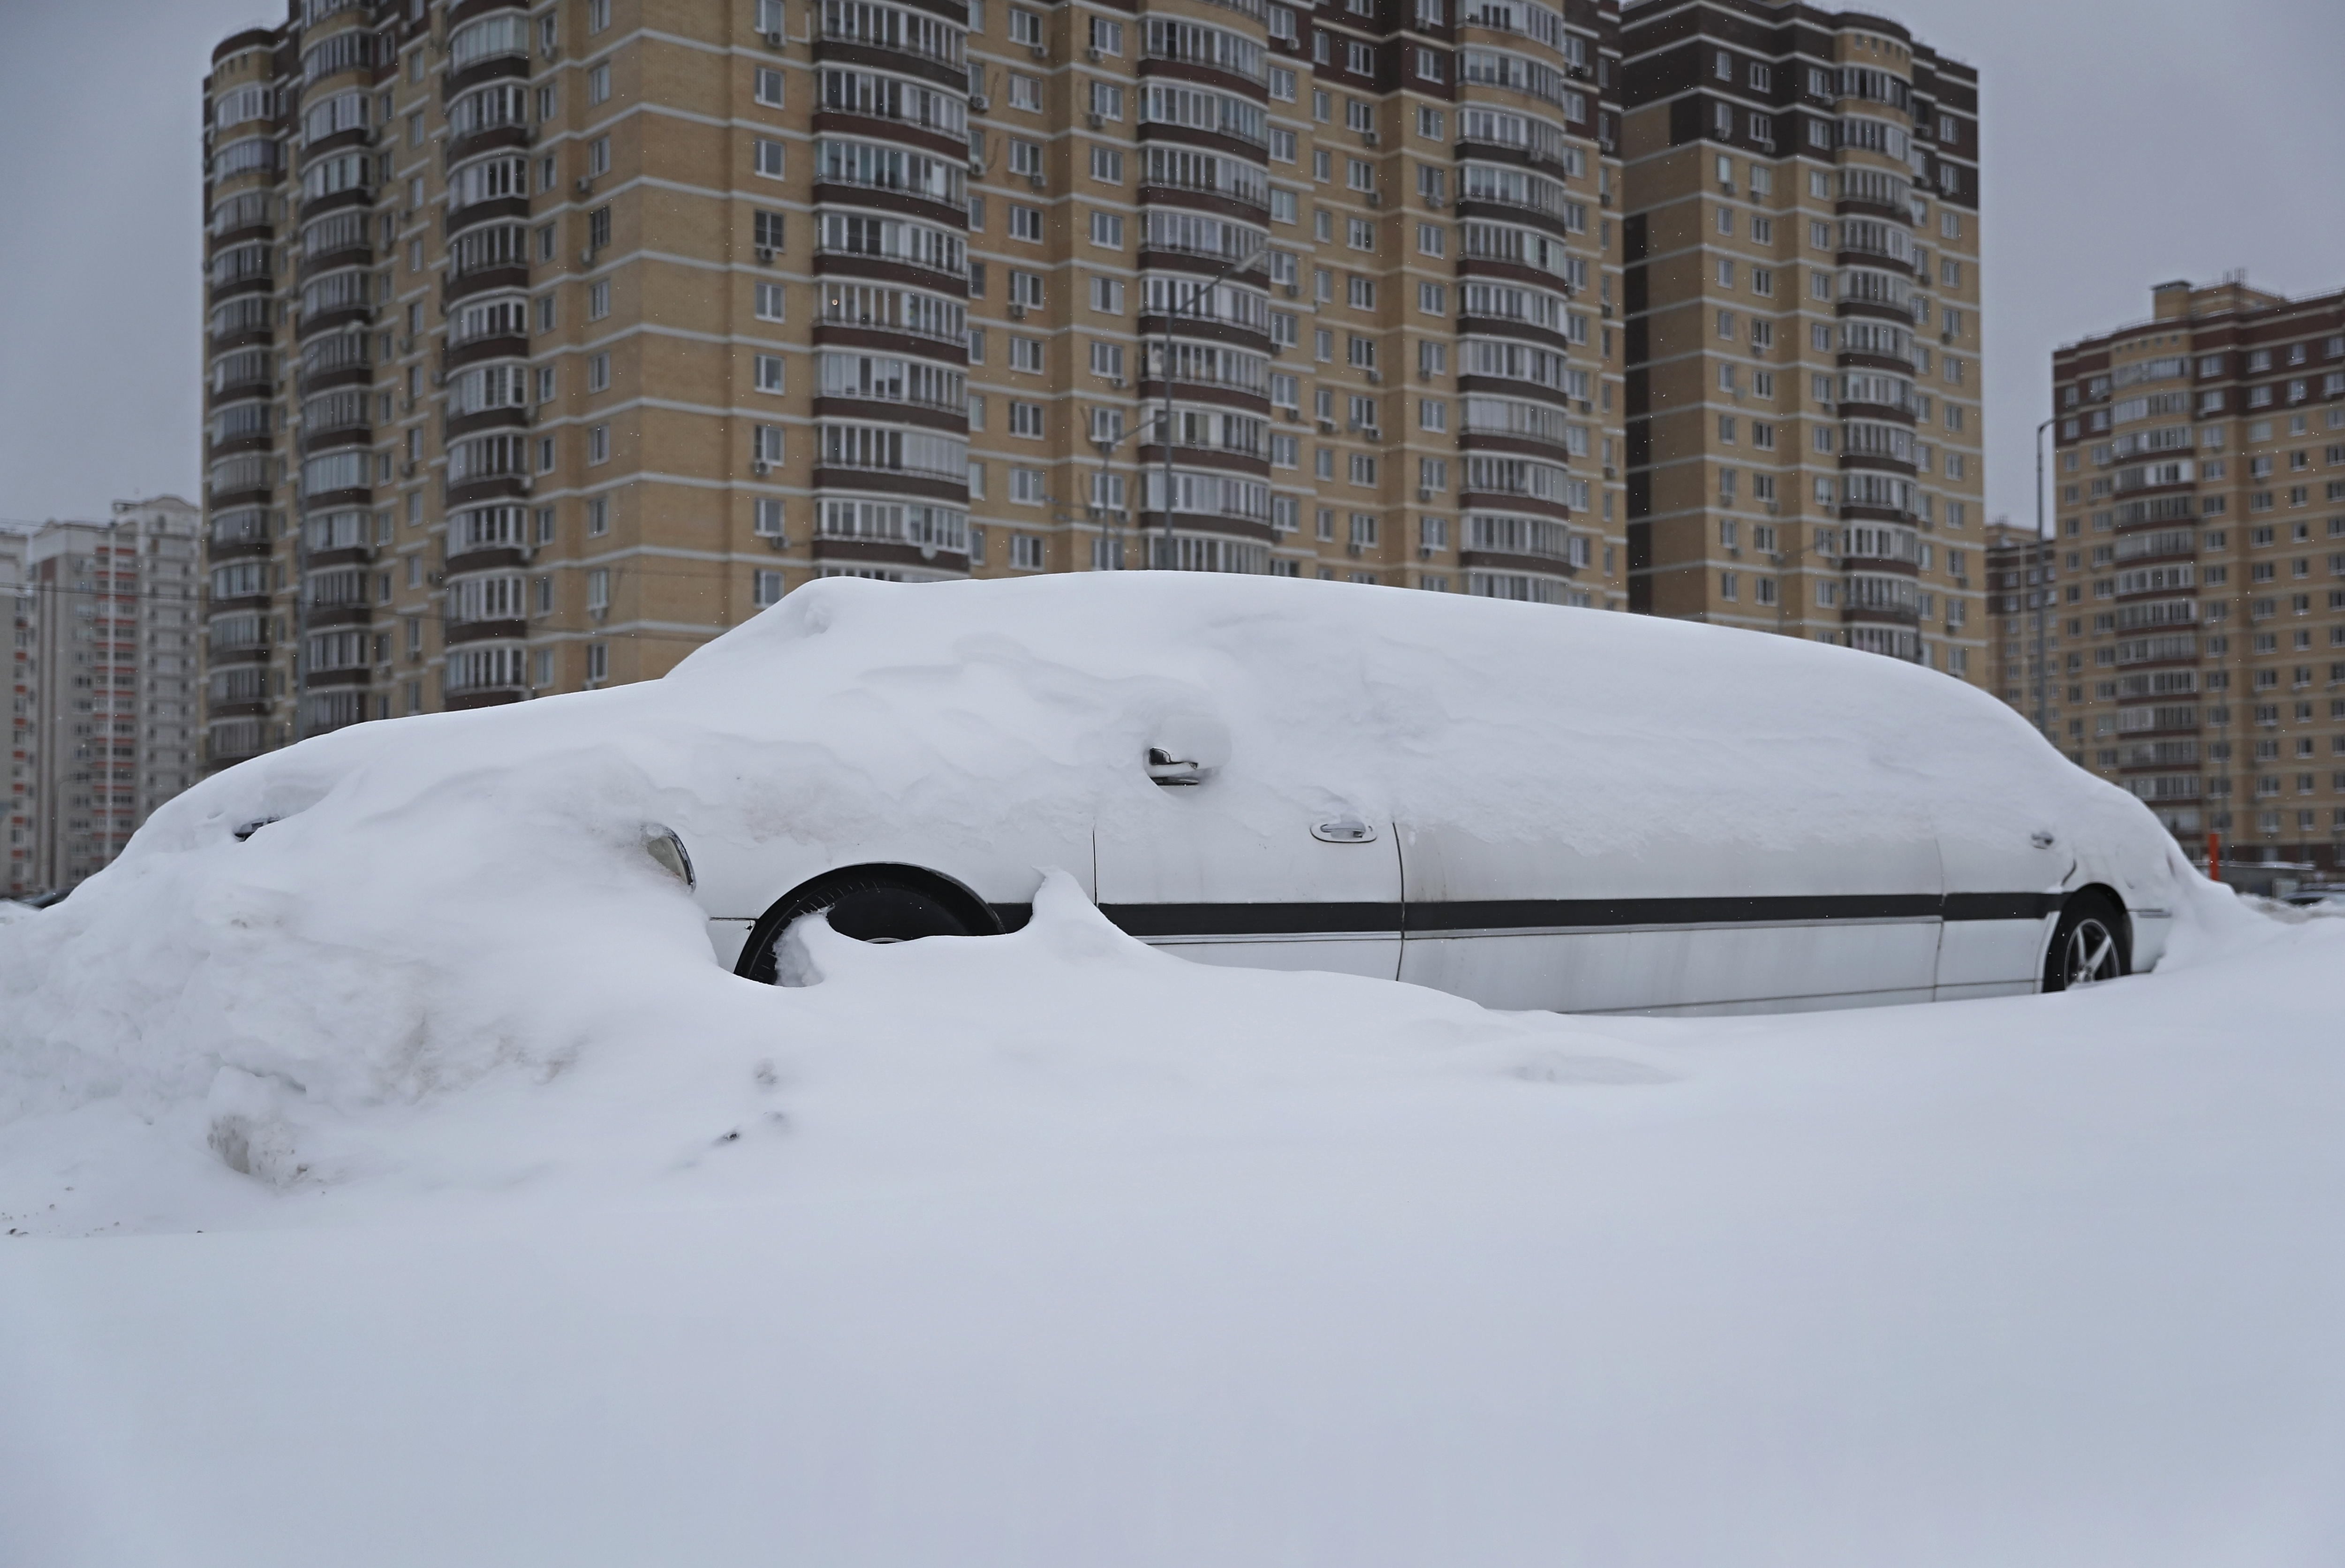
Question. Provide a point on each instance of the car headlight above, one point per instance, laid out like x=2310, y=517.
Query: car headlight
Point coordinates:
x=662, y=845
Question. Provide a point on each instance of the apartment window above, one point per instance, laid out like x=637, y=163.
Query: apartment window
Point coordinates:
x=769, y=372
x=598, y=515
x=1107, y=166
x=1107, y=230
x=598, y=443
x=1107, y=296
x=598, y=157
x=772, y=159
x=1025, y=223
x=598, y=373
x=598, y=229
x=1026, y=419
x=1107, y=37
x=1025, y=26
x=1025, y=552
x=769, y=302
x=598, y=300
x=1107, y=359
x=598, y=663
x=770, y=87
x=1025, y=92
x=1433, y=299
x=1362, y=234
x=598, y=83
x=766, y=589
x=766, y=230
x=1364, y=469
x=1027, y=487
x=766, y=443
x=1026, y=354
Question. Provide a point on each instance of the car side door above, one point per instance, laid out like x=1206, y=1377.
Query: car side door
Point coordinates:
x=1612, y=914
x=1222, y=866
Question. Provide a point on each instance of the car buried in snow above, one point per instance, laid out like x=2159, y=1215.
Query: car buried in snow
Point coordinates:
x=1533, y=808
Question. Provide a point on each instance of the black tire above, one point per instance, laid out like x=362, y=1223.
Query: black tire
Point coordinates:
x=2092, y=944
x=878, y=906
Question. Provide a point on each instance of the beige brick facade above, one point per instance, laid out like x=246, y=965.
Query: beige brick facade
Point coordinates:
x=2199, y=488
x=546, y=342
x=1804, y=331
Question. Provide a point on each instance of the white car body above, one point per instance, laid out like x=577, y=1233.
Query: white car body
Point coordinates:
x=1529, y=806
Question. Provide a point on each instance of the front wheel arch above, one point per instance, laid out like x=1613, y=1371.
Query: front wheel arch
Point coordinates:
x=2095, y=900
x=975, y=916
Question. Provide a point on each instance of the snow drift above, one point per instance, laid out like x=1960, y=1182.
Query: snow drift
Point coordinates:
x=460, y=902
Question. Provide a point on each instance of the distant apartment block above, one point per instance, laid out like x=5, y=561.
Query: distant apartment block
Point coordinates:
x=105, y=719
x=1804, y=328
x=545, y=341
x=2200, y=490
x=2023, y=619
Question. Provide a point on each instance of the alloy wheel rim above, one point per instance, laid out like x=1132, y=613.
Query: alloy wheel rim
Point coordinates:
x=2092, y=954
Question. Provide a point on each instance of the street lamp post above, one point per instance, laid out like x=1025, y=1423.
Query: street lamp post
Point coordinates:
x=2043, y=595
x=1175, y=306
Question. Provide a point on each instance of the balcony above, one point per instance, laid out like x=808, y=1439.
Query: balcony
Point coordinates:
x=849, y=31
x=1224, y=180
x=1527, y=538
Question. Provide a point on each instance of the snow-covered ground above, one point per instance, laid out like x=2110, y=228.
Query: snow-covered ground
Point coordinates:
x=504, y=1227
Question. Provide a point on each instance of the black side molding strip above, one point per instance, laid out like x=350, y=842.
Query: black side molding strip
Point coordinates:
x=1254, y=919
x=1269, y=920
x=2002, y=906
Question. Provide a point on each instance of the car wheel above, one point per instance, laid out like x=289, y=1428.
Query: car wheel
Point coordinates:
x=869, y=906
x=2089, y=946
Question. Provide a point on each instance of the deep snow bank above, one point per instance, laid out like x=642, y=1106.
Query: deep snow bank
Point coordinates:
x=453, y=911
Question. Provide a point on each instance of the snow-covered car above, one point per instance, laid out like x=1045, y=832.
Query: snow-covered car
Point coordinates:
x=1530, y=806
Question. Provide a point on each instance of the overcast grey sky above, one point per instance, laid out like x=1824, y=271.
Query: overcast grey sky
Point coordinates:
x=2126, y=142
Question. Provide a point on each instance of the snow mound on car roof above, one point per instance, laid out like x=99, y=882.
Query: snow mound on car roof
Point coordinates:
x=461, y=902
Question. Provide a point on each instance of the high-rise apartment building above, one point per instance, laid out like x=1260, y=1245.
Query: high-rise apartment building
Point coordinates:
x=2023, y=619
x=547, y=340
x=2199, y=484
x=104, y=717
x=1802, y=327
